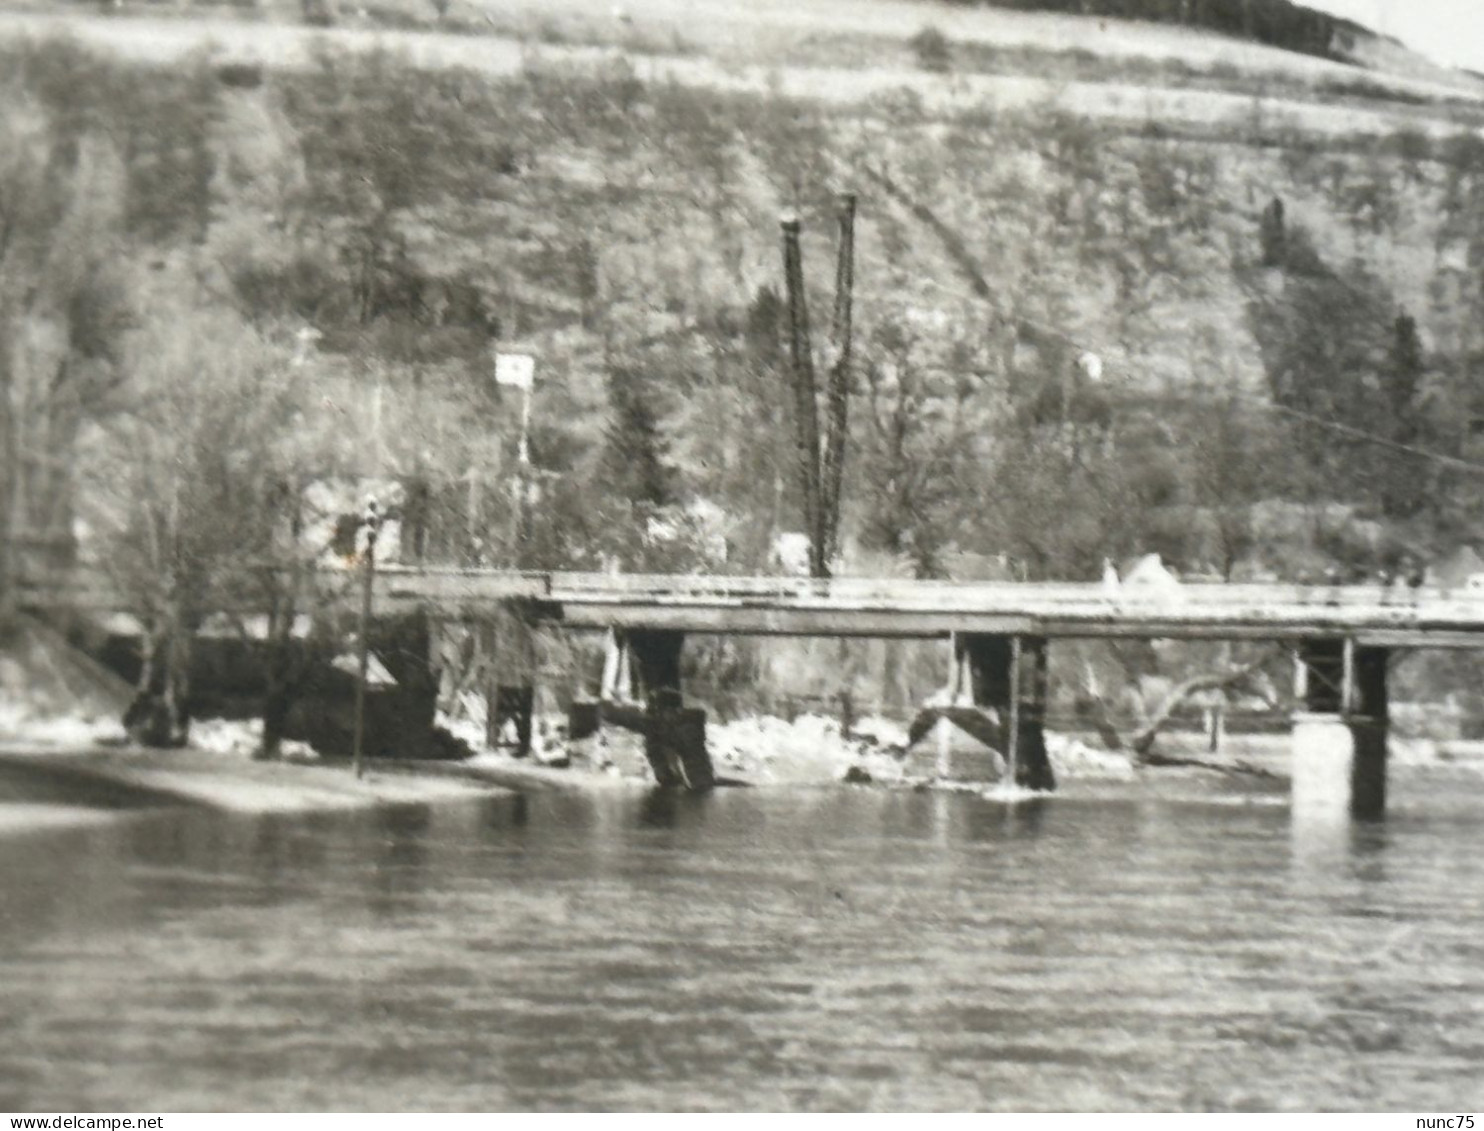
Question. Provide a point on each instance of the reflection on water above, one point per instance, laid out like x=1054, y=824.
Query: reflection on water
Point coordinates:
x=1179, y=945
x=1326, y=840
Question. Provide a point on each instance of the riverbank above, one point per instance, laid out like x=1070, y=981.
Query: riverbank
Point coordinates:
x=812, y=750
x=76, y=771
x=117, y=778
x=762, y=750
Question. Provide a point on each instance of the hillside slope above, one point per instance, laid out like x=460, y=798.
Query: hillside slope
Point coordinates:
x=616, y=213
x=872, y=40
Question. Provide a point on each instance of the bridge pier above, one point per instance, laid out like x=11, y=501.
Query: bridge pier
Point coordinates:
x=1005, y=678
x=1340, y=735
x=508, y=645
x=674, y=734
x=656, y=665
x=1025, y=689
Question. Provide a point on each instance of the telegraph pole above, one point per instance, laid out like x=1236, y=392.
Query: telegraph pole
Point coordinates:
x=806, y=411
x=371, y=524
x=821, y=464
x=838, y=400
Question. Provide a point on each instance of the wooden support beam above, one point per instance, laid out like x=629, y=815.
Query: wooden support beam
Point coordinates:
x=1034, y=766
x=836, y=430
x=1009, y=677
x=1347, y=677
x=608, y=684
x=806, y=409
x=1325, y=661
x=1012, y=740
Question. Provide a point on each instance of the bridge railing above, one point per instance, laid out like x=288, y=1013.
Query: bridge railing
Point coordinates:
x=898, y=592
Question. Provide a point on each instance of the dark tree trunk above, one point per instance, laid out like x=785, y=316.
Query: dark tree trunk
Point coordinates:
x=278, y=701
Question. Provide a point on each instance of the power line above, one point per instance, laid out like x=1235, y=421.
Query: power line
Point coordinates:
x=983, y=294
x=1359, y=434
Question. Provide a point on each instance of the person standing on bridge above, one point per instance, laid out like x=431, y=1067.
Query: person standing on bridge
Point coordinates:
x=1332, y=581
x=1416, y=578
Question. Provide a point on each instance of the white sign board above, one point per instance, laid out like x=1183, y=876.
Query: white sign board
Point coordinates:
x=518, y=369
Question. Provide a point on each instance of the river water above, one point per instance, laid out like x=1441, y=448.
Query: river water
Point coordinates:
x=1166, y=944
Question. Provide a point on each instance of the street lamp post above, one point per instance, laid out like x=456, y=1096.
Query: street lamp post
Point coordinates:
x=525, y=424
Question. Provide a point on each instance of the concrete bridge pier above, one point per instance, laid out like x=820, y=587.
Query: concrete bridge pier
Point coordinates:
x=1008, y=674
x=674, y=734
x=507, y=644
x=1340, y=735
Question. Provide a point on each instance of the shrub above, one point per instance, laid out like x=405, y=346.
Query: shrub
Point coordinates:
x=1411, y=145
x=247, y=76
x=932, y=50
x=319, y=13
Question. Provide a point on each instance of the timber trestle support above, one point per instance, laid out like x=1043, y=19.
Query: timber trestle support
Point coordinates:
x=1342, y=730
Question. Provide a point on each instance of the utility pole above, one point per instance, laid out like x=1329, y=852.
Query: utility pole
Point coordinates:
x=371, y=525
x=839, y=379
x=806, y=411
x=821, y=465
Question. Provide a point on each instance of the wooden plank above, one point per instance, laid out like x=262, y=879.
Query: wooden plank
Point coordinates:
x=1012, y=739
x=788, y=622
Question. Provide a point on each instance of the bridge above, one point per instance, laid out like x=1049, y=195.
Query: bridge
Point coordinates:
x=891, y=607
x=1369, y=615
x=1342, y=640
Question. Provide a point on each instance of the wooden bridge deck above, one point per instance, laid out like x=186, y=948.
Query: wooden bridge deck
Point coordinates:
x=892, y=607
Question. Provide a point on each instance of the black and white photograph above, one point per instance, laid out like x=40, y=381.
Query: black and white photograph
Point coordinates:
x=867, y=556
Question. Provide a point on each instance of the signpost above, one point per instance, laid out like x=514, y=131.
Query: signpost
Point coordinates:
x=518, y=370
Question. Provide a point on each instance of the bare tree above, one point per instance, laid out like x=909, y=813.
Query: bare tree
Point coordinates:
x=1151, y=714
x=918, y=444
x=188, y=492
